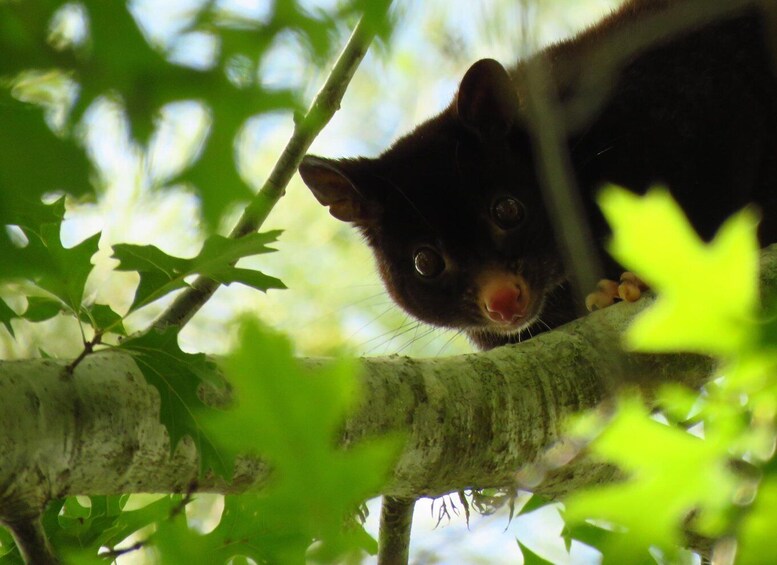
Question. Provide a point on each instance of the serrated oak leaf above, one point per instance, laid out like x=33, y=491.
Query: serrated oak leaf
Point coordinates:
x=65, y=269
x=103, y=319
x=42, y=308
x=656, y=459
x=6, y=315
x=61, y=271
x=178, y=377
x=161, y=273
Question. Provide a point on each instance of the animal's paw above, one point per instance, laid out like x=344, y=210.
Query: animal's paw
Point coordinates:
x=607, y=291
x=631, y=287
x=605, y=294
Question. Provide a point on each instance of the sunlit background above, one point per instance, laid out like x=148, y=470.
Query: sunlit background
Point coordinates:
x=334, y=300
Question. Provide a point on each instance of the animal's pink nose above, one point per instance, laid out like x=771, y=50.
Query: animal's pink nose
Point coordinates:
x=504, y=304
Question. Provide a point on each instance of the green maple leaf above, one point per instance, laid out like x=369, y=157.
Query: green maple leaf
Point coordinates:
x=669, y=474
x=295, y=416
x=161, y=273
x=178, y=377
x=707, y=293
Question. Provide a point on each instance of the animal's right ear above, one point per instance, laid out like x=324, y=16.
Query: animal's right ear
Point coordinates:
x=332, y=186
x=487, y=102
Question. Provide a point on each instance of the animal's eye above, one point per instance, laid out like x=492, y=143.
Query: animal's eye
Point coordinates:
x=428, y=262
x=508, y=212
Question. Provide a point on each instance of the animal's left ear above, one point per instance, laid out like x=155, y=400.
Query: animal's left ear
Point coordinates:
x=332, y=185
x=487, y=101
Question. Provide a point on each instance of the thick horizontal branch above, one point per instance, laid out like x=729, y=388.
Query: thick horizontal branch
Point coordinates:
x=477, y=420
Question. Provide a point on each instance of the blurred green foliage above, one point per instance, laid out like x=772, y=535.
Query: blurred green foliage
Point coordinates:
x=62, y=64
x=707, y=467
x=70, y=68
x=315, y=485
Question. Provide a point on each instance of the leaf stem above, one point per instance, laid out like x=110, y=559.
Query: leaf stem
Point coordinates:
x=324, y=106
x=88, y=348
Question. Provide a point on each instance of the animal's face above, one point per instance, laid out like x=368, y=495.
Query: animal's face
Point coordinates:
x=455, y=218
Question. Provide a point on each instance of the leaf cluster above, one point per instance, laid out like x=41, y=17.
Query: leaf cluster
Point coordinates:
x=292, y=416
x=704, y=464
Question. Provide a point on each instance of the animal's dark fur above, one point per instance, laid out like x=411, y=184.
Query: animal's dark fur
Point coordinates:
x=697, y=111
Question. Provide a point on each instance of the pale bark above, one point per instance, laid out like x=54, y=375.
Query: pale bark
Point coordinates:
x=477, y=420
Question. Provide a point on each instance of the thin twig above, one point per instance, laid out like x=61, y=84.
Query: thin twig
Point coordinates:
x=115, y=553
x=88, y=348
x=324, y=106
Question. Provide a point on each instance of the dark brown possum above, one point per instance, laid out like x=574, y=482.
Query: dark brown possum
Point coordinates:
x=454, y=211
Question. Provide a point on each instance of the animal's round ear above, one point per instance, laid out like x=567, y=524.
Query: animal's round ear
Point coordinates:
x=487, y=101
x=330, y=182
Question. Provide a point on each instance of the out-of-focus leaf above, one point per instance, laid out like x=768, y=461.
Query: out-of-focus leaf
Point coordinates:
x=161, y=273
x=315, y=485
x=707, y=293
x=24, y=30
x=669, y=474
x=120, y=60
x=128, y=522
x=215, y=173
x=586, y=533
x=756, y=541
x=33, y=162
x=535, y=502
x=178, y=376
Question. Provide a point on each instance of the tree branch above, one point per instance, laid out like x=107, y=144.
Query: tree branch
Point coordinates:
x=480, y=420
x=324, y=106
x=396, y=521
